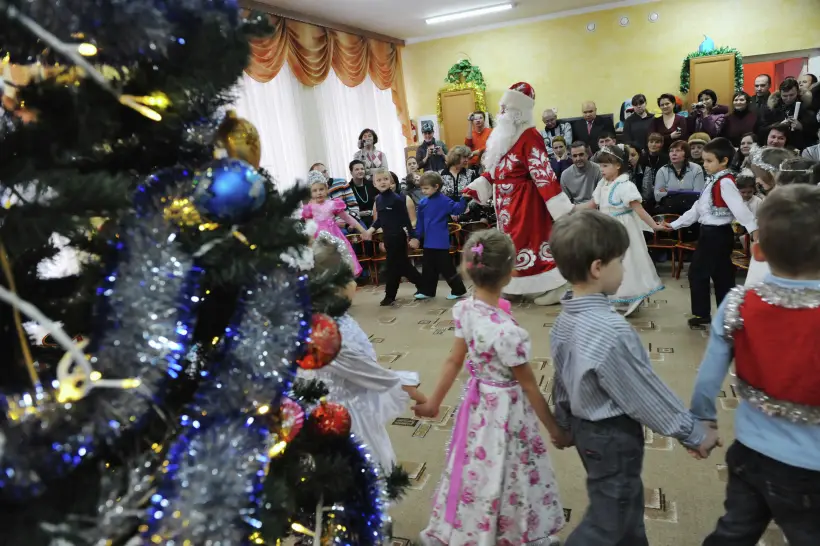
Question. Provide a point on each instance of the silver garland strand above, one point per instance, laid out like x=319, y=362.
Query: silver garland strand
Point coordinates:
x=145, y=336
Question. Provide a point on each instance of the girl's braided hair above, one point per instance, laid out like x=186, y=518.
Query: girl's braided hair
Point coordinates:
x=489, y=258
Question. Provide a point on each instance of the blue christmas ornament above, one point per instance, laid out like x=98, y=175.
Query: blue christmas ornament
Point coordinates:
x=228, y=190
x=706, y=45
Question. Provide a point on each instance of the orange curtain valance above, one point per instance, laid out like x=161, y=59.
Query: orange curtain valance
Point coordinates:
x=311, y=51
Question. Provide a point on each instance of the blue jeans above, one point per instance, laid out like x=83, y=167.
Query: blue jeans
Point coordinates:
x=612, y=453
x=761, y=489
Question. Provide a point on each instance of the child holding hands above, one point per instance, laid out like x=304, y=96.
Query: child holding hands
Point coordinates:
x=372, y=394
x=498, y=486
x=604, y=387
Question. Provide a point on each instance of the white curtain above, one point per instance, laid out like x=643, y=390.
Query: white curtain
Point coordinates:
x=275, y=108
x=344, y=112
x=301, y=125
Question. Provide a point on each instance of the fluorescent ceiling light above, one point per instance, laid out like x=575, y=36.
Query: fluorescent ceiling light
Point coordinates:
x=471, y=13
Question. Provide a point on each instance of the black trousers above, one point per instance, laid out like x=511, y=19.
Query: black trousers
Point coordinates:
x=712, y=260
x=437, y=262
x=761, y=489
x=398, y=264
x=612, y=453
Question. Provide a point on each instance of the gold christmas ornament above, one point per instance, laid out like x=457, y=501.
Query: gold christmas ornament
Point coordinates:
x=240, y=139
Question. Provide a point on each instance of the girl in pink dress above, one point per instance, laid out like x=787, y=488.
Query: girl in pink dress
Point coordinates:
x=325, y=211
x=498, y=487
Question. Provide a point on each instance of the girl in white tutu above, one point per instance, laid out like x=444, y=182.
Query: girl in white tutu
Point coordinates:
x=617, y=196
x=372, y=394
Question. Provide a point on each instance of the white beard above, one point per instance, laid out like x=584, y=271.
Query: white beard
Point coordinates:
x=509, y=127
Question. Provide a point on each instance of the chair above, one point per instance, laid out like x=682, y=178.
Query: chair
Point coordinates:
x=662, y=240
x=468, y=228
x=455, y=237
x=378, y=257
x=741, y=258
x=358, y=245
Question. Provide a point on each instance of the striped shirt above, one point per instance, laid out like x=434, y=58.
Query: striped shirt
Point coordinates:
x=602, y=370
x=340, y=189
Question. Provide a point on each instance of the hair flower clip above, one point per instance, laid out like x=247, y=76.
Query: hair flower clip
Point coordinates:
x=478, y=249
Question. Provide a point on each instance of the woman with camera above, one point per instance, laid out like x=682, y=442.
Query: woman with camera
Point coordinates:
x=707, y=115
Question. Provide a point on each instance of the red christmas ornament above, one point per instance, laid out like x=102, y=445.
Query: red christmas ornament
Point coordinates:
x=330, y=419
x=291, y=417
x=325, y=343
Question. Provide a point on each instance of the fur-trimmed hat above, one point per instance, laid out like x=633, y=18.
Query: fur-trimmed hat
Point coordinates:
x=700, y=138
x=520, y=96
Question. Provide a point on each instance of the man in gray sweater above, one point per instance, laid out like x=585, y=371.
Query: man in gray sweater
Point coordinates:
x=579, y=181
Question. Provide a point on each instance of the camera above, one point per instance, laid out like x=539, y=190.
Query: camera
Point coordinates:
x=700, y=105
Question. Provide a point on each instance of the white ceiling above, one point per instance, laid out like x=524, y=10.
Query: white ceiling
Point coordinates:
x=405, y=19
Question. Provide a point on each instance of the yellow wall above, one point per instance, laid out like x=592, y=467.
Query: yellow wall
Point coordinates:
x=566, y=64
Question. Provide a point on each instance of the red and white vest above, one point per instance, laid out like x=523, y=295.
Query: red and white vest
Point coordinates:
x=717, y=205
x=776, y=336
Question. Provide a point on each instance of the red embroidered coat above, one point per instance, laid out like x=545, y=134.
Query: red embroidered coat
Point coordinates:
x=523, y=186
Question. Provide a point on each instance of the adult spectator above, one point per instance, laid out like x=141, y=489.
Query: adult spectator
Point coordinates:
x=553, y=129
x=363, y=191
x=812, y=152
x=707, y=115
x=338, y=188
x=677, y=182
x=368, y=154
x=805, y=82
x=778, y=136
x=654, y=158
x=669, y=125
x=579, y=181
x=782, y=105
x=561, y=160
x=763, y=89
x=458, y=174
x=431, y=153
x=744, y=149
x=410, y=184
x=637, y=126
x=741, y=121
x=477, y=135
x=635, y=167
x=590, y=128
x=606, y=138
x=696, y=143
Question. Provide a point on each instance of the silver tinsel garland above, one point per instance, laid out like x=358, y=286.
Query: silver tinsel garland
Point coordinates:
x=147, y=303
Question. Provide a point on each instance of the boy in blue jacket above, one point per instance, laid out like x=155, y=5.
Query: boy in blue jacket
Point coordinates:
x=432, y=218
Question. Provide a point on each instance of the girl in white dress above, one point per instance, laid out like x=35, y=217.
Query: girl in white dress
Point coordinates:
x=372, y=394
x=617, y=196
x=498, y=487
x=766, y=164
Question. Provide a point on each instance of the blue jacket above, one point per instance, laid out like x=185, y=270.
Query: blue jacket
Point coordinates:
x=432, y=219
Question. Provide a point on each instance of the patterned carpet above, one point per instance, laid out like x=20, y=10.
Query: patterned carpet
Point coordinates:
x=683, y=496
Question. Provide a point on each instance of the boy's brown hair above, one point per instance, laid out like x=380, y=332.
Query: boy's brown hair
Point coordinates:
x=583, y=237
x=655, y=137
x=790, y=229
x=431, y=178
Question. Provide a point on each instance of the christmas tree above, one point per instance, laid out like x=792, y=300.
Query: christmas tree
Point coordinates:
x=157, y=300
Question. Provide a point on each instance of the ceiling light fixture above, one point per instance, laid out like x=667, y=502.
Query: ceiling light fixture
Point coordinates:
x=470, y=13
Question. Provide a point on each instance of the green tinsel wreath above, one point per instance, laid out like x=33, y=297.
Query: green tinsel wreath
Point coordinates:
x=684, y=71
x=470, y=73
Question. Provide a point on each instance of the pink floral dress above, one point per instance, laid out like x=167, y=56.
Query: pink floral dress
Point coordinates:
x=324, y=214
x=498, y=487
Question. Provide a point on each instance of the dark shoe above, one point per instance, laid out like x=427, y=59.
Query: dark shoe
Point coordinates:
x=387, y=302
x=700, y=321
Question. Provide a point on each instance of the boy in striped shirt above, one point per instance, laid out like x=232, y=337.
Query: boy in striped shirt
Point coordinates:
x=604, y=388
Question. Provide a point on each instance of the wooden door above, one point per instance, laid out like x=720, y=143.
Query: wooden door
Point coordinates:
x=716, y=72
x=456, y=107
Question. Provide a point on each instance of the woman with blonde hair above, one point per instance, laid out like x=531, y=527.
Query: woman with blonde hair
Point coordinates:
x=458, y=174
